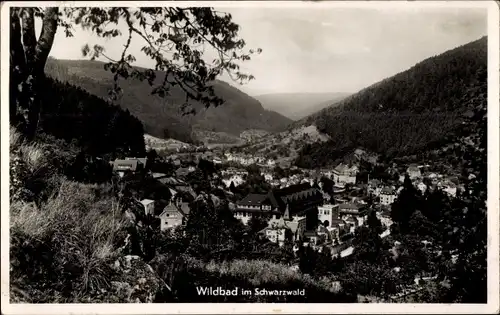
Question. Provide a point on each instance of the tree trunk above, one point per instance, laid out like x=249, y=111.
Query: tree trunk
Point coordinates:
x=17, y=67
x=28, y=58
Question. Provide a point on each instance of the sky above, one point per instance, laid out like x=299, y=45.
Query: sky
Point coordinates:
x=317, y=50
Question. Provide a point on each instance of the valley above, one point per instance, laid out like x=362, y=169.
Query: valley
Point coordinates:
x=167, y=184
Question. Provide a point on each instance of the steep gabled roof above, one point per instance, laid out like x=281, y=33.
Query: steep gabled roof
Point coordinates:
x=172, y=208
x=341, y=168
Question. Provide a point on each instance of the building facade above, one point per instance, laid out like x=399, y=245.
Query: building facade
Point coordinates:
x=174, y=214
x=149, y=206
x=387, y=196
x=328, y=213
x=296, y=205
x=343, y=175
x=413, y=171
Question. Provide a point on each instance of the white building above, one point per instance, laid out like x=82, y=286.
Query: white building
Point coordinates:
x=149, y=206
x=343, y=174
x=387, y=196
x=450, y=189
x=422, y=187
x=328, y=213
x=267, y=176
x=173, y=215
x=234, y=171
x=236, y=179
x=413, y=171
x=385, y=218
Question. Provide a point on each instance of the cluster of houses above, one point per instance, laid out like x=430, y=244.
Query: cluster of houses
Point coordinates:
x=234, y=175
x=298, y=214
x=295, y=209
x=429, y=180
x=246, y=160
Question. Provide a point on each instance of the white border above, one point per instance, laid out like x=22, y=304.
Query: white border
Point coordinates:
x=258, y=308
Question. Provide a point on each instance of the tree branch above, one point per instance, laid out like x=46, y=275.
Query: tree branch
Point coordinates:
x=44, y=45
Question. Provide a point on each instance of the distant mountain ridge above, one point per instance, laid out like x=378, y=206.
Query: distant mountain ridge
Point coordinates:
x=407, y=113
x=299, y=105
x=162, y=116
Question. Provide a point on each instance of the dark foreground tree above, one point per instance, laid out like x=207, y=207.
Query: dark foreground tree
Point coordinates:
x=175, y=38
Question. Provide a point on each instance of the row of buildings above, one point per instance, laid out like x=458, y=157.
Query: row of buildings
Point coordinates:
x=298, y=213
x=295, y=211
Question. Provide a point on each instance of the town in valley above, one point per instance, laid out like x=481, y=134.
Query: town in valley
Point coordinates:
x=263, y=155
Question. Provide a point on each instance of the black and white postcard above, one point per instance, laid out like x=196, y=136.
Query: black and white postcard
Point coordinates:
x=193, y=157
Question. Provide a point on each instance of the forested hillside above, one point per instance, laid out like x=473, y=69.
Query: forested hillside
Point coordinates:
x=411, y=111
x=72, y=114
x=163, y=117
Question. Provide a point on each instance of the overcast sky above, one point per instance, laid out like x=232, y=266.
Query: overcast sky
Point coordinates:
x=326, y=50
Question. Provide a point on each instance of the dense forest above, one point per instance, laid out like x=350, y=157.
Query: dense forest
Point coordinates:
x=164, y=117
x=82, y=133
x=413, y=110
x=72, y=114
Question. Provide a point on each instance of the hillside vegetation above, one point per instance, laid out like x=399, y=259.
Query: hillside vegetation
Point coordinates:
x=163, y=117
x=284, y=146
x=409, y=112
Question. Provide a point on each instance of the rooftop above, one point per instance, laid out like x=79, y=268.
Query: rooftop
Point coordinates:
x=182, y=209
x=351, y=206
x=147, y=201
x=388, y=191
x=253, y=199
x=125, y=164
x=310, y=234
